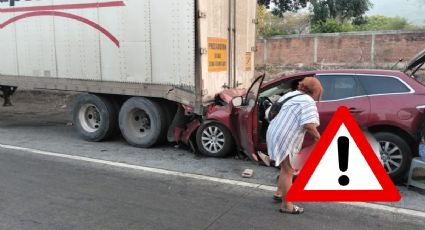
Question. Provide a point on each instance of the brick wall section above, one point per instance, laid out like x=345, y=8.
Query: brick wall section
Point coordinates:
x=260, y=53
x=392, y=46
x=346, y=49
x=361, y=49
x=290, y=50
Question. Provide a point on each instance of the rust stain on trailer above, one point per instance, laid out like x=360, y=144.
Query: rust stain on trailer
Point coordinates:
x=248, y=61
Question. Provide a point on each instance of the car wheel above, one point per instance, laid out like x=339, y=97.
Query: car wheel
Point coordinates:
x=214, y=140
x=95, y=117
x=142, y=122
x=395, y=154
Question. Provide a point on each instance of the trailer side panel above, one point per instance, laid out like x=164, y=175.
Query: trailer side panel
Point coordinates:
x=134, y=41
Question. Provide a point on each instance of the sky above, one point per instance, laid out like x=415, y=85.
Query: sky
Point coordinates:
x=412, y=10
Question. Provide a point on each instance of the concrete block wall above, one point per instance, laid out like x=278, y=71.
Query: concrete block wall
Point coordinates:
x=354, y=49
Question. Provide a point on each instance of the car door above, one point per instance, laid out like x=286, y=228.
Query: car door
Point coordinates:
x=247, y=116
x=342, y=90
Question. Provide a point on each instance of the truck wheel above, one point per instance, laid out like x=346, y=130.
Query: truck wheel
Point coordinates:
x=214, y=140
x=395, y=154
x=142, y=122
x=95, y=117
x=169, y=111
x=116, y=104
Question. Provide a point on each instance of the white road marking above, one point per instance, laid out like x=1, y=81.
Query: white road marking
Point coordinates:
x=378, y=207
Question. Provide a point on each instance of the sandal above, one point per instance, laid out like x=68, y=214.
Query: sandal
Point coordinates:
x=277, y=198
x=266, y=159
x=295, y=210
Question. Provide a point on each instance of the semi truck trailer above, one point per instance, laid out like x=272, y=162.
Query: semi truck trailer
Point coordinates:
x=145, y=68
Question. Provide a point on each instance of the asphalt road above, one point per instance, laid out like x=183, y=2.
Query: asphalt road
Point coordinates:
x=38, y=192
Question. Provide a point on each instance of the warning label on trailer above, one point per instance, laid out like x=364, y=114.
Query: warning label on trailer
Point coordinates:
x=217, y=55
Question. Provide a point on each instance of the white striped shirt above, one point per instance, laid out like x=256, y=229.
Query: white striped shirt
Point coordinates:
x=286, y=132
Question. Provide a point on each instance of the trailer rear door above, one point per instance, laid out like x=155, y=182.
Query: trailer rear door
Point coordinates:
x=226, y=30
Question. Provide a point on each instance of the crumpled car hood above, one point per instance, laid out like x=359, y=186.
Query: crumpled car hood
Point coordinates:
x=228, y=94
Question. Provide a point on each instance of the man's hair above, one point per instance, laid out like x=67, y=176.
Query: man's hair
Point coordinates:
x=312, y=86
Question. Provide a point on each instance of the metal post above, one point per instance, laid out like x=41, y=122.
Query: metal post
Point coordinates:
x=232, y=42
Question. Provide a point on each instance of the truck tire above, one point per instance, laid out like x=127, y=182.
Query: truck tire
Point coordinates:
x=116, y=104
x=95, y=117
x=142, y=122
x=214, y=140
x=395, y=154
x=169, y=111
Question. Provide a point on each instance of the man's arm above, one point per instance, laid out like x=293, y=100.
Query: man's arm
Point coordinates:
x=312, y=130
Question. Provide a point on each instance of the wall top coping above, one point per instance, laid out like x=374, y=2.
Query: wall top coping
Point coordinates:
x=361, y=33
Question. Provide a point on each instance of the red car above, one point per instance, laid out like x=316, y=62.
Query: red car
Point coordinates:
x=388, y=103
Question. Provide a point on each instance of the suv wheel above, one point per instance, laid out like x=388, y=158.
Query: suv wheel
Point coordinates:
x=395, y=154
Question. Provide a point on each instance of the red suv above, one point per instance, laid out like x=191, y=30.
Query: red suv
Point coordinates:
x=389, y=104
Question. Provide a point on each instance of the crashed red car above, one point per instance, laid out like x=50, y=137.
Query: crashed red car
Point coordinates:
x=389, y=104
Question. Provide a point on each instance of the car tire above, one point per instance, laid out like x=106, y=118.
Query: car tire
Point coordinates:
x=142, y=122
x=395, y=154
x=95, y=117
x=214, y=140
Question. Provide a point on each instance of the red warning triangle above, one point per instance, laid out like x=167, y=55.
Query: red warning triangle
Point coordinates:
x=318, y=180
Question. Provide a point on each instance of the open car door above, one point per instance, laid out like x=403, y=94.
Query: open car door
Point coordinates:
x=247, y=118
x=416, y=63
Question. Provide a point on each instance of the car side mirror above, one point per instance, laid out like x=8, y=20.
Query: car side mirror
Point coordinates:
x=237, y=101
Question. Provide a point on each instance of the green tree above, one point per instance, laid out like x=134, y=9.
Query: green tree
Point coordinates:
x=323, y=9
x=342, y=10
x=291, y=23
x=283, y=6
x=268, y=24
x=378, y=22
x=332, y=25
x=296, y=23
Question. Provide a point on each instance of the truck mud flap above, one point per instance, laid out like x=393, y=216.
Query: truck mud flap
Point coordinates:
x=7, y=92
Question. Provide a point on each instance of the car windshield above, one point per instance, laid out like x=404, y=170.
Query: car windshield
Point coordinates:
x=277, y=90
x=252, y=94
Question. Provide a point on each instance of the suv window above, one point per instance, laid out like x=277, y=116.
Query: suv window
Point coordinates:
x=337, y=87
x=382, y=85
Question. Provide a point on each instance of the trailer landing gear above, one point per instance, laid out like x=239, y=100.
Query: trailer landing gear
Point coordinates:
x=7, y=92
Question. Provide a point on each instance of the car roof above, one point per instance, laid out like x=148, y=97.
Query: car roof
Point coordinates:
x=342, y=71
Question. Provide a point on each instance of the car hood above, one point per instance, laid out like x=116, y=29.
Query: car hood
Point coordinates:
x=228, y=94
x=417, y=61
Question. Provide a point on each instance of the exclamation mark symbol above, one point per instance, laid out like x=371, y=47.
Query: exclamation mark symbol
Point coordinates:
x=343, y=148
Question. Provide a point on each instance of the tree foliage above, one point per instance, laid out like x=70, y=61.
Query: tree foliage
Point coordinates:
x=342, y=10
x=378, y=22
x=326, y=16
x=296, y=23
x=268, y=24
x=291, y=23
x=323, y=9
x=332, y=25
x=282, y=6
x=370, y=23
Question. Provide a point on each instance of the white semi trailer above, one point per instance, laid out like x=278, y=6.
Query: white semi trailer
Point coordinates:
x=136, y=61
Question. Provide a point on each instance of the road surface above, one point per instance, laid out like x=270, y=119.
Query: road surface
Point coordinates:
x=42, y=192
x=60, y=192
